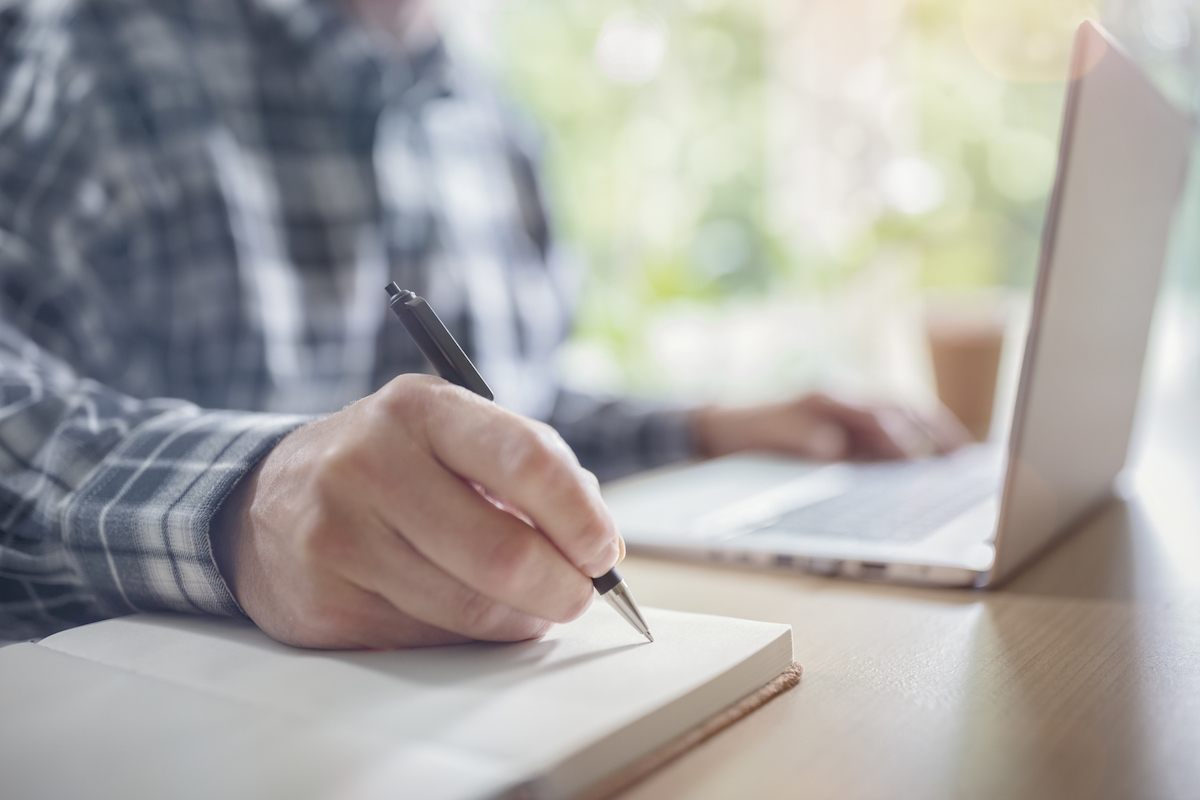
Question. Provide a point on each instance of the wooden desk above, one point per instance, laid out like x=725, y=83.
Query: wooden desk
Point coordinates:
x=1080, y=678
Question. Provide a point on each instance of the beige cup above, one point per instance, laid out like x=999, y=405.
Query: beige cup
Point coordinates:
x=966, y=337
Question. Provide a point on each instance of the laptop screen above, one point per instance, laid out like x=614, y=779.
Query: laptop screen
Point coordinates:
x=1122, y=163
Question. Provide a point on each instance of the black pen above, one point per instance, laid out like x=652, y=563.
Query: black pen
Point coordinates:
x=452, y=364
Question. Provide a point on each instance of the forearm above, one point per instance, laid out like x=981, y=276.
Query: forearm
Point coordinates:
x=105, y=501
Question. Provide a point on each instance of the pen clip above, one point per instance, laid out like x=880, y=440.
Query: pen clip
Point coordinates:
x=435, y=342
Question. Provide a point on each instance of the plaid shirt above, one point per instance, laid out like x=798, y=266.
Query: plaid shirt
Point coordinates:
x=202, y=200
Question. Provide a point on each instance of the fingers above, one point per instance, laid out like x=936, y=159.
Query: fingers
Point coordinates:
x=827, y=429
x=448, y=523
x=825, y=441
x=362, y=619
x=873, y=432
x=363, y=529
x=892, y=431
x=945, y=429
x=422, y=492
x=352, y=615
x=527, y=465
x=921, y=433
x=436, y=605
x=308, y=596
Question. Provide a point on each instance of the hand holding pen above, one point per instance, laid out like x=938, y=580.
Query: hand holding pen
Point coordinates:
x=452, y=364
x=362, y=529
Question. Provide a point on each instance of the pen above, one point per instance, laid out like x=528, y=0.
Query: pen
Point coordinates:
x=452, y=364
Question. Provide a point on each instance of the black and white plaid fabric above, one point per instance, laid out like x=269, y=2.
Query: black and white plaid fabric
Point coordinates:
x=202, y=200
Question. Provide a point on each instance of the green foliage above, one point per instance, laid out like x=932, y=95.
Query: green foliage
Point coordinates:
x=661, y=181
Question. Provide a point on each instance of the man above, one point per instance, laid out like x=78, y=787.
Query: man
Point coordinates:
x=202, y=200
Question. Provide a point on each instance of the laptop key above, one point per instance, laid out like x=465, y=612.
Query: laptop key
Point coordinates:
x=899, y=501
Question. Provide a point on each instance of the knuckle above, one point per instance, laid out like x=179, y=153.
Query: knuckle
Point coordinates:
x=529, y=458
x=538, y=456
x=406, y=395
x=590, y=478
x=555, y=443
x=594, y=533
x=549, y=435
x=422, y=403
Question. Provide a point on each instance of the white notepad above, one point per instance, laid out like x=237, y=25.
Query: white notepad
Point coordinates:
x=169, y=706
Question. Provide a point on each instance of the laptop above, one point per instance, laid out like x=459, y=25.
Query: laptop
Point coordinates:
x=976, y=516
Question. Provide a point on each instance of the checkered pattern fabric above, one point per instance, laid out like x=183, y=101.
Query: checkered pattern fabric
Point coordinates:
x=202, y=200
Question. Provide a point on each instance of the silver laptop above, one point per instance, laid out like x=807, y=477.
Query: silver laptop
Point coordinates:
x=974, y=517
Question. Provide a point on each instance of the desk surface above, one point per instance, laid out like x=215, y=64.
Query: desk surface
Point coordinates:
x=1080, y=678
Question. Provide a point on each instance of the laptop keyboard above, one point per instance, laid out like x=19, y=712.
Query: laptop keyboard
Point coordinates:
x=900, y=501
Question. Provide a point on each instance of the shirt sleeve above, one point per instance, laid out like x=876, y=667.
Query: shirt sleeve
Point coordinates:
x=105, y=501
x=613, y=436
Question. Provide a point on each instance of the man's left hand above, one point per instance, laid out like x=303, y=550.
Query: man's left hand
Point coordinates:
x=827, y=429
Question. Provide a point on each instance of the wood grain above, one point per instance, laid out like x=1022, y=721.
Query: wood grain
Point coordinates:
x=1080, y=678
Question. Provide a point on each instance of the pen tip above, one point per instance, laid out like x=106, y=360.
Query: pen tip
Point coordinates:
x=649, y=636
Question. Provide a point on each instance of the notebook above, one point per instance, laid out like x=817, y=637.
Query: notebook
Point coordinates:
x=153, y=706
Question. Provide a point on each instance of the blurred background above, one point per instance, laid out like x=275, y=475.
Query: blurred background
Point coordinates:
x=771, y=195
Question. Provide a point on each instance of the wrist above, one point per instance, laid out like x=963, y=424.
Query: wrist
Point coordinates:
x=228, y=527
x=712, y=431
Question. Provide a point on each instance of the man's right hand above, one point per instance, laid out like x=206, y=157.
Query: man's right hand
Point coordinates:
x=368, y=528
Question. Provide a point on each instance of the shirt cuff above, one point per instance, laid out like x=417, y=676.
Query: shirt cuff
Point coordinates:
x=670, y=437
x=139, y=524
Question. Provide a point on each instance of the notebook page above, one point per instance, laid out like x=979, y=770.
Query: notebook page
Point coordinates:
x=73, y=728
x=528, y=706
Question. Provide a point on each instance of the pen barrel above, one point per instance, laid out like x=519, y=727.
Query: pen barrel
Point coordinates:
x=435, y=342
x=427, y=330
